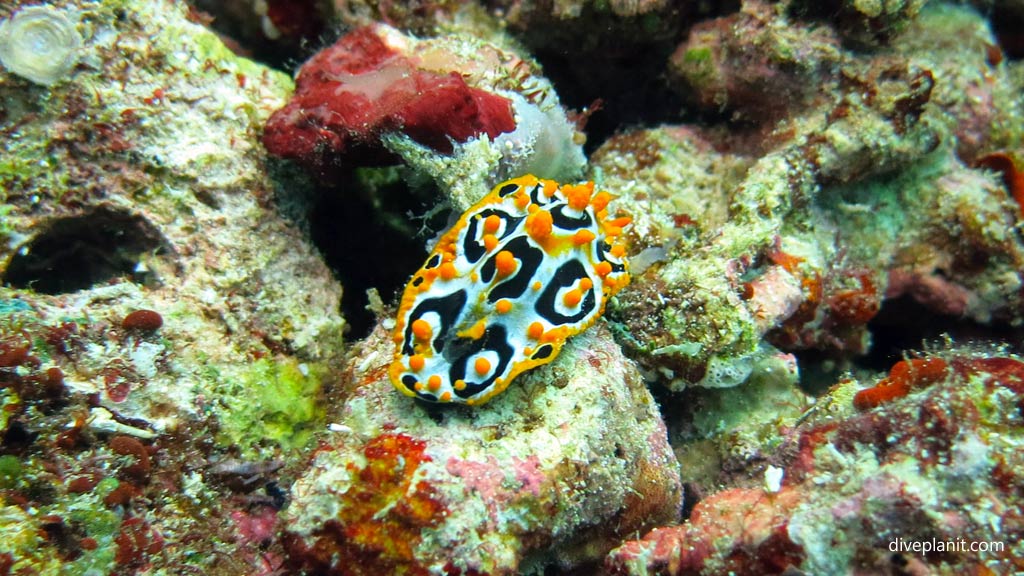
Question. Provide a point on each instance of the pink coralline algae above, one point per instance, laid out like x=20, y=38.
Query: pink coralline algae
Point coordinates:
x=365, y=85
x=931, y=290
x=752, y=522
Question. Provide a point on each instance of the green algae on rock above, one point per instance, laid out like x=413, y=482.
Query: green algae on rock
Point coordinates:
x=274, y=403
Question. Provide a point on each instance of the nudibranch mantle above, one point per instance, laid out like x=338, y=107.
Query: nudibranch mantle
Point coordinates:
x=524, y=269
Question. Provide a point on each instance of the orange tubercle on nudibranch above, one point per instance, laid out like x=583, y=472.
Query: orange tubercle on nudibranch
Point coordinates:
x=492, y=223
x=535, y=330
x=582, y=237
x=505, y=263
x=482, y=366
x=529, y=266
x=539, y=225
x=600, y=201
x=448, y=271
x=572, y=298
x=421, y=329
x=578, y=196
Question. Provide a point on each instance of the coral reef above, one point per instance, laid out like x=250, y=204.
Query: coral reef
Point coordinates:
x=815, y=368
x=795, y=239
x=868, y=492
x=143, y=335
x=553, y=472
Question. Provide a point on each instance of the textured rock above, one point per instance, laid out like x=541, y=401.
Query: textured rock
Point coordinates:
x=863, y=23
x=750, y=241
x=144, y=334
x=729, y=64
x=556, y=470
x=866, y=492
x=147, y=197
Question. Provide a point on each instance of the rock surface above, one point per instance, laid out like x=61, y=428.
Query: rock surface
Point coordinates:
x=556, y=470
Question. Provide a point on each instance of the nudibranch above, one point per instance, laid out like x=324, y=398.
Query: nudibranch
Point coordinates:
x=524, y=269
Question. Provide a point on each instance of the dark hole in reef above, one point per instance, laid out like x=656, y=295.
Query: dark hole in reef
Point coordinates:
x=614, y=63
x=903, y=327
x=77, y=252
x=17, y=438
x=1008, y=26
x=820, y=370
x=628, y=82
x=692, y=495
x=362, y=228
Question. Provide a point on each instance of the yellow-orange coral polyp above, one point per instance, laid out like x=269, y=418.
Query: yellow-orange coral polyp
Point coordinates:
x=530, y=265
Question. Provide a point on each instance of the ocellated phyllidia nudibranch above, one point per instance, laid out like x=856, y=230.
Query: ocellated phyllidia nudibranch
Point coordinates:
x=527, y=267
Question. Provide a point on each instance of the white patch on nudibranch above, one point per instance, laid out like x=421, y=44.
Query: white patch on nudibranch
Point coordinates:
x=524, y=269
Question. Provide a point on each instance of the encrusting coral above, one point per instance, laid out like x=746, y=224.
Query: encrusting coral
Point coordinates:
x=552, y=472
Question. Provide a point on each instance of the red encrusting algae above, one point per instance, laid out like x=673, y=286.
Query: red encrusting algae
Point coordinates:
x=351, y=93
x=858, y=305
x=1001, y=371
x=904, y=376
x=380, y=518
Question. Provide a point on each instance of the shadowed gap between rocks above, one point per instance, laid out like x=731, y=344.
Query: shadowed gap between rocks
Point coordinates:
x=903, y=328
x=370, y=239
